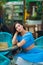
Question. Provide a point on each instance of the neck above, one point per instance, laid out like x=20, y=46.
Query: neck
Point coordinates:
x=23, y=32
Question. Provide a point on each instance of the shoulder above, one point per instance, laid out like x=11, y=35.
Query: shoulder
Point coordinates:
x=28, y=34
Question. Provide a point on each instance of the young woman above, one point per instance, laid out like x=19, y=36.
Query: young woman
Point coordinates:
x=25, y=40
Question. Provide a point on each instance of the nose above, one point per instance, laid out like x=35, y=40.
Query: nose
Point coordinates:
x=18, y=28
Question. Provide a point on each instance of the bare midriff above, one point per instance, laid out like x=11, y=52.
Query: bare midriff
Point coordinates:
x=30, y=47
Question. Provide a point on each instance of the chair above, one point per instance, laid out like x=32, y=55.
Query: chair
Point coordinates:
x=4, y=60
x=6, y=37
x=39, y=42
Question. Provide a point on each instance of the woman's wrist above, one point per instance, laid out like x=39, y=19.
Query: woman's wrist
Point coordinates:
x=15, y=34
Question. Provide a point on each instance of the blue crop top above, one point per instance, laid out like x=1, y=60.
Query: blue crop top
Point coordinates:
x=28, y=37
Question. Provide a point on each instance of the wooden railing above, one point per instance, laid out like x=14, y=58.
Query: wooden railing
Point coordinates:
x=33, y=29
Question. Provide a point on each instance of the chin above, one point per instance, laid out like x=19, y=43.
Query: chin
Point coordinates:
x=20, y=31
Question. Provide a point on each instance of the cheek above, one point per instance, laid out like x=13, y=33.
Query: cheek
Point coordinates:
x=21, y=27
x=18, y=29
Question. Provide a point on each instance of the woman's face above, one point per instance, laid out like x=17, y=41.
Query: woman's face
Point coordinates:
x=19, y=27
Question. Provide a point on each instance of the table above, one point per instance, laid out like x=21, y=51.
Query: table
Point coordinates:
x=5, y=51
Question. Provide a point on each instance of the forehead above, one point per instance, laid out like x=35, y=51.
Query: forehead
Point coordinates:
x=17, y=24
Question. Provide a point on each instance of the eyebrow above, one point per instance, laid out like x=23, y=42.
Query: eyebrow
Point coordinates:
x=18, y=25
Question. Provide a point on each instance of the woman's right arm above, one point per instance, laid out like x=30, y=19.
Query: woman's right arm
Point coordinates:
x=14, y=40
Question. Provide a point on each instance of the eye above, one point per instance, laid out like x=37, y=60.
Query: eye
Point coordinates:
x=17, y=26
